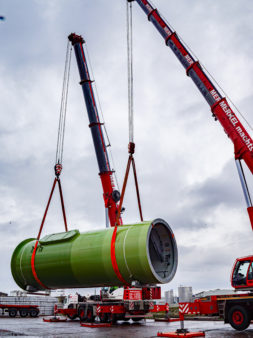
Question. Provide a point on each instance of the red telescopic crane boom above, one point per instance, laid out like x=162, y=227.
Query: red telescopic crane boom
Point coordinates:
x=221, y=110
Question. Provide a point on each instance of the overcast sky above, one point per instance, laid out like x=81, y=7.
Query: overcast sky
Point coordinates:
x=184, y=159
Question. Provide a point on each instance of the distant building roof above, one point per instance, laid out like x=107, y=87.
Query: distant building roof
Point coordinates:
x=2, y=294
x=216, y=292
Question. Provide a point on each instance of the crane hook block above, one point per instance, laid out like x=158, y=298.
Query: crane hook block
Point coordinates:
x=131, y=147
x=57, y=169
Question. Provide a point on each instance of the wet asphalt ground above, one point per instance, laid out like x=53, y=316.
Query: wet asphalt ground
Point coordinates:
x=35, y=327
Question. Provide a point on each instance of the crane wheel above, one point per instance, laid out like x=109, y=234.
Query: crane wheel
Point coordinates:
x=23, y=313
x=238, y=318
x=104, y=318
x=113, y=318
x=34, y=313
x=90, y=316
x=82, y=313
x=12, y=312
x=71, y=317
x=86, y=315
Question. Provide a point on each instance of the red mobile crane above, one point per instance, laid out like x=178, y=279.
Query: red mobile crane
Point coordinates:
x=237, y=310
x=135, y=301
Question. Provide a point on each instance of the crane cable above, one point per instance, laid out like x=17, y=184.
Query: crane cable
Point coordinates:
x=58, y=161
x=63, y=109
x=60, y=137
x=131, y=144
x=130, y=69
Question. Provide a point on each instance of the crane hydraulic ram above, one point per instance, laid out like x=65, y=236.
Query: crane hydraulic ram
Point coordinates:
x=221, y=110
x=111, y=195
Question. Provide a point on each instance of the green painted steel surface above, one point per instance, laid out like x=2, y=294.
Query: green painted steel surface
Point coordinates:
x=71, y=260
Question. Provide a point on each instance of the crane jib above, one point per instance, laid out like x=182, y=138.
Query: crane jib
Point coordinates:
x=105, y=172
x=220, y=108
x=95, y=124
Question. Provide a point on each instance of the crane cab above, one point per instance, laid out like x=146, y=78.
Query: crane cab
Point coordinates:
x=242, y=274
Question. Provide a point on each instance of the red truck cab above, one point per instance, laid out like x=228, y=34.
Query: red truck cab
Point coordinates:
x=242, y=274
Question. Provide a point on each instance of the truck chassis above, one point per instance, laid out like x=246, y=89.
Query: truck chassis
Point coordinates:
x=22, y=310
x=237, y=310
x=136, y=304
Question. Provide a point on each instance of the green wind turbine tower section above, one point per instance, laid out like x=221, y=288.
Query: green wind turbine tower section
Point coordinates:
x=145, y=252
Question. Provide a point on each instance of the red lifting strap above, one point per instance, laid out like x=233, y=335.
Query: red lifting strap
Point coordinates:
x=131, y=148
x=113, y=257
x=56, y=180
x=33, y=267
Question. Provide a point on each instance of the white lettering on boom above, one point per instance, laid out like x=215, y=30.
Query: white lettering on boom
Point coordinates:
x=233, y=119
x=215, y=95
x=229, y=113
x=189, y=59
x=245, y=138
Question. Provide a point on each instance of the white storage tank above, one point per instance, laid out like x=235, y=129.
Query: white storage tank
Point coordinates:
x=185, y=294
x=169, y=297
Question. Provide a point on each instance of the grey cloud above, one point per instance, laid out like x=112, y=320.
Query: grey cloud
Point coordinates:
x=222, y=189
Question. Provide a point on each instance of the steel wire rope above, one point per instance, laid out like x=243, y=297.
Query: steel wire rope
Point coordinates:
x=211, y=76
x=58, y=159
x=63, y=108
x=129, y=20
x=66, y=101
x=103, y=120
